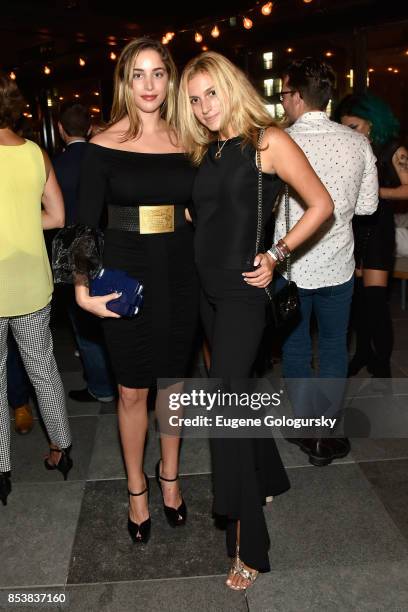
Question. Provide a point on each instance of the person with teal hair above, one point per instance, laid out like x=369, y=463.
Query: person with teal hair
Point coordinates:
x=375, y=234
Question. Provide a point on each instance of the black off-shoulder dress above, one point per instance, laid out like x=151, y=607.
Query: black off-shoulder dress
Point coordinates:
x=157, y=343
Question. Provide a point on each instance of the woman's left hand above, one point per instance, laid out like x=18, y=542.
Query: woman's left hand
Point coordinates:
x=262, y=276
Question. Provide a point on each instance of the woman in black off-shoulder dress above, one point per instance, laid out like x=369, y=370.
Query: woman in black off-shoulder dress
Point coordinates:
x=136, y=183
x=157, y=342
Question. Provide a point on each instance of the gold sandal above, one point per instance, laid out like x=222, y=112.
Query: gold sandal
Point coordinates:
x=237, y=567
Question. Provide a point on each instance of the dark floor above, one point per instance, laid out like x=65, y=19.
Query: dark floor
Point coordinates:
x=339, y=538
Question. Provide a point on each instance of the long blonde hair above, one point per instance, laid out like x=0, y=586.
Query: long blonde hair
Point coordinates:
x=123, y=99
x=243, y=110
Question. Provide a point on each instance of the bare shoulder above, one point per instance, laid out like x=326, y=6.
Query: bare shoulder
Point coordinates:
x=107, y=138
x=275, y=136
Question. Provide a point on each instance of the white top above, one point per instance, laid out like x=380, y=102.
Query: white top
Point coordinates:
x=345, y=163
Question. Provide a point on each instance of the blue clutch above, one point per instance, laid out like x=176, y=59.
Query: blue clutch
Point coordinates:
x=110, y=280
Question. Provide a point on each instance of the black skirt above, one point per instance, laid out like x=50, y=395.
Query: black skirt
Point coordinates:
x=374, y=238
x=158, y=342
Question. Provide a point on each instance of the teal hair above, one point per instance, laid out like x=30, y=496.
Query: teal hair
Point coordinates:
x=385, y=126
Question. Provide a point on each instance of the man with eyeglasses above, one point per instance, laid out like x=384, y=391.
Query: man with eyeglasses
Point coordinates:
x=323, y=268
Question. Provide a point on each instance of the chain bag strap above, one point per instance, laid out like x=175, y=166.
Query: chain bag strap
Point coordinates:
x=285, y=302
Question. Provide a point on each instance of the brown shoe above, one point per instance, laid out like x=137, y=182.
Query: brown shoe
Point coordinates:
x=23, y=419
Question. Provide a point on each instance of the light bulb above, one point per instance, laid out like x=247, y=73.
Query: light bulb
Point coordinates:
x=12, y=76
x=215, y=32
x=247, y=23
x=47, y=70
x=267, y=8
x=198, y=37
x=112, y=56
x=82, y=62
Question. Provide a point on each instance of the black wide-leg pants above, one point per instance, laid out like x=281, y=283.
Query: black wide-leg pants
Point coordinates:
x=245, y=470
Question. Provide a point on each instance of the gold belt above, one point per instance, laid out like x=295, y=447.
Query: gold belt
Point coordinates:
x=156, y=219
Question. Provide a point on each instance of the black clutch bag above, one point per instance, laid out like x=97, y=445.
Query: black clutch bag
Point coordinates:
x=285, y=303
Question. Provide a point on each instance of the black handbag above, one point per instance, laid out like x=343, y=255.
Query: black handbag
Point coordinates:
x=285, y=303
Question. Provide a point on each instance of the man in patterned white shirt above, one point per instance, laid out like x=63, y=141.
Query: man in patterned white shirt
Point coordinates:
x=323, y=268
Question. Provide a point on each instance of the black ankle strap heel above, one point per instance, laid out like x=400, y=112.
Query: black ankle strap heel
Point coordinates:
x=175, y=516
x=140, y=533
x=64, y=464
x=5, y=487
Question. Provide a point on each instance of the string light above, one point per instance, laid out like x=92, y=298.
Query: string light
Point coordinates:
x=96, y=93
x=289, y=50
x=204, y=48
x=395, y=71
x=267, y=9
x=390, y=69
x=12, y=76
x=61, y=98
x=76, y=95
x=215, y=32
x=371, y=70
x=95, y=109
x=329, y=54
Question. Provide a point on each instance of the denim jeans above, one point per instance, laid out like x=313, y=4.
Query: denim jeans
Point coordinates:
x=89, y=337
x=331, y=307
x=18, y=384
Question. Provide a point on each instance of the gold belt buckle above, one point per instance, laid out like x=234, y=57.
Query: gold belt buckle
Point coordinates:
x=156, y=219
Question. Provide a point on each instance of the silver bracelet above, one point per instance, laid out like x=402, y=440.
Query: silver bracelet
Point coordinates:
x=276, y=253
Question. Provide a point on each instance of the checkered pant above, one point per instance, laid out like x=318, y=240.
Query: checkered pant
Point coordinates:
x=33, y=336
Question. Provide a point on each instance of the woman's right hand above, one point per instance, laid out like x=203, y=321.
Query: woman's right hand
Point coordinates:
x=95, y=305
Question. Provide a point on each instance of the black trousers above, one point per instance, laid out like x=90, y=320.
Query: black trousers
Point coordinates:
x=245, y=470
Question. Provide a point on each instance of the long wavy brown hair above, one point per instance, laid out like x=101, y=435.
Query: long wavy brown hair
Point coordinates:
x=123, y=99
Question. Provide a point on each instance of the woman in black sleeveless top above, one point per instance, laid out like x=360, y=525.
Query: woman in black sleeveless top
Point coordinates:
x=220, y=117
x=375, y=234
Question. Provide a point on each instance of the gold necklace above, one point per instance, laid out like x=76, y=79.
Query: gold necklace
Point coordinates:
x=220, y=148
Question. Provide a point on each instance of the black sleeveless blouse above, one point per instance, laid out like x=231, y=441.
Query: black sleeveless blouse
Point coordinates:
x=225, y=196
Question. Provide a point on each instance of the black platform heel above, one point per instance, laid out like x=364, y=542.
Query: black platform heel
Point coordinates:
x=5, y=487
x=64, y=464
x=140, y=533
x=175, y=516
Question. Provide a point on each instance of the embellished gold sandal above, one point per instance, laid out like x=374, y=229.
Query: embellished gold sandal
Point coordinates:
x=237, y=567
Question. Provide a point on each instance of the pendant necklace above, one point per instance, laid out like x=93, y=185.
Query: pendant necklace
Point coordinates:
x=220, y=148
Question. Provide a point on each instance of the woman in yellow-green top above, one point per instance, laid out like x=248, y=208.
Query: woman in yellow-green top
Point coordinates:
x=27, y=180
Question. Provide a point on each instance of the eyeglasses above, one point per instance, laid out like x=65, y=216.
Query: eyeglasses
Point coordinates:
x=283, y=93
